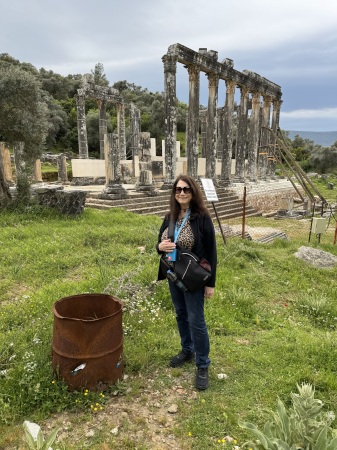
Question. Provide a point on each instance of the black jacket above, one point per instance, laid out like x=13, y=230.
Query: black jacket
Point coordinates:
x=204, y=242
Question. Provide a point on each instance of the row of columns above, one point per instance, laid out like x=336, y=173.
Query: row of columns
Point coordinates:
x=219, y=127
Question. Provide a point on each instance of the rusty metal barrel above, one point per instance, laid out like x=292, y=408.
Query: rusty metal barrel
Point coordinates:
x=87, y=346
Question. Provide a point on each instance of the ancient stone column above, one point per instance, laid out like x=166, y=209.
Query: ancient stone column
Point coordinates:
x=5, y=195
x=37, y=175
x=6, y=163
x=103, y=126
x=145, y=150
x=121, y=129
x=254, y=138
x=274, y=126
x=203, y=131
x=170, y=69
x=20, y=164
x=242, y=136
x=264, y=137
x=227, y=138
x=112, y=167
x=134, y=129
x=192, y=148
x=220, y=132
x=145, y=183
x=62, y=168
x=82, y=127
x=213, y=82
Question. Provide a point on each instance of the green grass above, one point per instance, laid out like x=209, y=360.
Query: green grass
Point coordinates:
x=272, y=324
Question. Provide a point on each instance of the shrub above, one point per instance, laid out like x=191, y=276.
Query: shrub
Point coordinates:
x=305, y=427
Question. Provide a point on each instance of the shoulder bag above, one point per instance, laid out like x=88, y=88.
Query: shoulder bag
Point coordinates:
x=193, y=272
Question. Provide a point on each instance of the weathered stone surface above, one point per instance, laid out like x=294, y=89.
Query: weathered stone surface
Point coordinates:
x=316, y=257
x=67, y=202
x=70, y=202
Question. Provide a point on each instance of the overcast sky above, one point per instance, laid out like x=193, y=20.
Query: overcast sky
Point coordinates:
x=291, y=42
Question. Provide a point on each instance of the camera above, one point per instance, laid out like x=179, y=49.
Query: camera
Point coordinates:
x=173, y=277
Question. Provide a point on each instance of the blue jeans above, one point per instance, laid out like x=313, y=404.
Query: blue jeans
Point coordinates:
x=189, y=308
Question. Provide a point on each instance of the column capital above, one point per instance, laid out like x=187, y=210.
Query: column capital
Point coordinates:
x=230, y=87
x=256, y=97
x=277, y=103
x=170, y=63
x=193, y=71
x=266, y=100
x=213, y=79
x=244, y=90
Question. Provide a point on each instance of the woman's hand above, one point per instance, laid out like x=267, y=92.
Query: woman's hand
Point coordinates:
x=209, y=292
x=166, y=246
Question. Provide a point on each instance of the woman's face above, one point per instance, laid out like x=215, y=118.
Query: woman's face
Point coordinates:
x=183, y=194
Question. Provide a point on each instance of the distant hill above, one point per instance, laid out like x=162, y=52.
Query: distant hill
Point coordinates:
x=325, y=138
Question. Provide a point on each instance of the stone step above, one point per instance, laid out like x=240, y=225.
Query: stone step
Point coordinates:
x=229, y=202
x=225, y=214
x=229, y=205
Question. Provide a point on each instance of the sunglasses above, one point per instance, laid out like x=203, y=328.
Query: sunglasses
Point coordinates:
x=186, y=190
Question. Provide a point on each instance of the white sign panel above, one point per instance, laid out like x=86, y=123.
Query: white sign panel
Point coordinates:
x=210, y=192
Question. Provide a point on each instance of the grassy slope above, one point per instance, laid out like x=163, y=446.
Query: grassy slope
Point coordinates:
x=272, y=322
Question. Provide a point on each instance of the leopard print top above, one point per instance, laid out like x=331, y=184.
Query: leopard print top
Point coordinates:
x=186, y=237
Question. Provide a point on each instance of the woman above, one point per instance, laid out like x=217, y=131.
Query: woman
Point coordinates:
x=197, y=235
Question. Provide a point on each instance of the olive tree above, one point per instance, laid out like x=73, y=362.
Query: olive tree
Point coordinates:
x=23, y=122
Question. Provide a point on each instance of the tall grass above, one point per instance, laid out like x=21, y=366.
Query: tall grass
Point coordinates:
x=272, y=322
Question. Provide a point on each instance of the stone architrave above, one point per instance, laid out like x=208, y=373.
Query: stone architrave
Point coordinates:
x=6, y=163
x=37, y=175
x=254, y=138
x=242, y=136
x=82, y=127
x=103, y=126
x=113, y=184
x=192, y=148
x=227, y=138
x=62, y=169
x=213, y=82
x=121, y=129
x=170, y=69
x=264, y=137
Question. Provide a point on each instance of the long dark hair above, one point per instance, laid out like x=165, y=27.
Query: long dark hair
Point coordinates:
x=197, y=205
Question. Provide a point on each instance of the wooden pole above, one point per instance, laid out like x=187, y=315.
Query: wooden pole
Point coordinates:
x=217, y=217
x=244, y=211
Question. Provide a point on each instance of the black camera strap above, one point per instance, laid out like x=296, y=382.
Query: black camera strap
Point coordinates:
x=170, y=231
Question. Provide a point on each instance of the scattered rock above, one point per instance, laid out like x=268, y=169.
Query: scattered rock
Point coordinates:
x=315, y=257
x=222, y=376
x=173, y=409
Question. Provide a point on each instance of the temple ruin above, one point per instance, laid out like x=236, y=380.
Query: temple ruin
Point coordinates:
x=217, y=127
x=227, y=144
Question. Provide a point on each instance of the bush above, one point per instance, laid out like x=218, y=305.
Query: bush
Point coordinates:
x=305, y=427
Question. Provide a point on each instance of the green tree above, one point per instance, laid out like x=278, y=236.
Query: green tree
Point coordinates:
x=92, y=121
x=325, y=159
x=23, y=119
x=99, y=75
